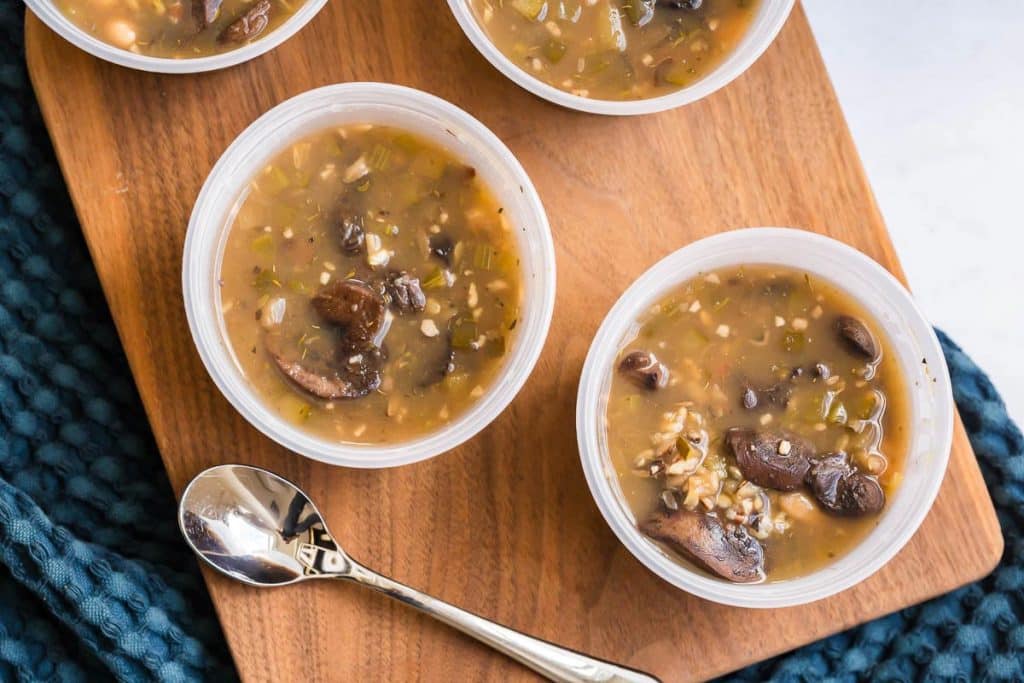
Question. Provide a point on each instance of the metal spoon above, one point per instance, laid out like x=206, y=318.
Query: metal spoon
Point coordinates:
x=263, y=530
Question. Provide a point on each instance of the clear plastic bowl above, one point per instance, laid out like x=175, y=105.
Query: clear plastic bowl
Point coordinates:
x=765, y=26
x=410, y=110
x=65, y=28
x=931, y=407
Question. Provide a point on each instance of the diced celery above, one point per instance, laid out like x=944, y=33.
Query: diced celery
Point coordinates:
x=264, y=244
x=436, y=280
x=554, y=50
x=531, y=9
x=273, y=180
x=640, y=12
x=265, y=279
x=837, y=413
x=380, y=157
x=674, y=73
x=464, y=333
x=483, y=256
x=610, y=35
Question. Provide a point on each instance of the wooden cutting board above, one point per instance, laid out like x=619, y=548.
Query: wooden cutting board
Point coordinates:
x=505, y=525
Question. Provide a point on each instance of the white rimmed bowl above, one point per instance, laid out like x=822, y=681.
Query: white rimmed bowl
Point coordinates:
x=382, y=104
x=65, y=28
x=765, y=26
x=912, y=339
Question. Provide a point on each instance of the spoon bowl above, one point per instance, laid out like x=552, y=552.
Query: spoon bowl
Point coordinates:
x=263, y=530
x=254, y=526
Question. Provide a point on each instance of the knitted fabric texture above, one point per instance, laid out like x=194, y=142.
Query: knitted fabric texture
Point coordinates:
x=95, y=581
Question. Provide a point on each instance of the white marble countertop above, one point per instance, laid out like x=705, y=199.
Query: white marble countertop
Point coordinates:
x=935, y=98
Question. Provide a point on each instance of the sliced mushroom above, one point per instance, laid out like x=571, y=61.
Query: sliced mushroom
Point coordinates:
x=857, y=336
x=403, y=292
x=352, y=305
x=682, y=4
x=251, y=24
x=773, y=459
x=440, y=366
x=205, y=12
x=354, y=380
x=730, y=553
x=361, y=368
x=842, y=489
x=352, y=235
x=640, y=12
x=442, y=247
x=644, y=370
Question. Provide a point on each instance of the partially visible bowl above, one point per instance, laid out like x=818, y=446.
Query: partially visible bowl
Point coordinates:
x=762, y=31
x=912, y=339
x=65, y=28
x=383, y=104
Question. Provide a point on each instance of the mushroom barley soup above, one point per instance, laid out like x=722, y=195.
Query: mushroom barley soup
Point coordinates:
x=178, y=29
x=757, y=422
x=370, y=285
x=616, y=49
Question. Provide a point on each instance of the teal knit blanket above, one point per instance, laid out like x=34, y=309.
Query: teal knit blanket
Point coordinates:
x=95, y=581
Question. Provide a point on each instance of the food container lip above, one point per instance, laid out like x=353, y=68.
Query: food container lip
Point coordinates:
x=912, y=339
x=381, y=103
x=48, y=13
x=771, y=17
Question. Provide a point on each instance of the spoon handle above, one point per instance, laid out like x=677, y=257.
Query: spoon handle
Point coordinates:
x=554, y=662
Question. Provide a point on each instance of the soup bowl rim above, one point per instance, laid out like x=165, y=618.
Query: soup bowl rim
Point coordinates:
x=765, y=27
x=930, y=402
x=211, y=222
x=49, y=14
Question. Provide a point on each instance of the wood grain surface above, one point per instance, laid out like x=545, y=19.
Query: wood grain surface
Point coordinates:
x=505, y=525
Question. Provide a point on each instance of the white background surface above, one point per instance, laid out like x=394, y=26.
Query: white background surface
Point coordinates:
x=934, y=95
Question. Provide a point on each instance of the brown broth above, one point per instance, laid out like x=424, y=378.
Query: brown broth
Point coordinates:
x=754, y=326
x=413, y=200
x=171, y=28
x=600, y=49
